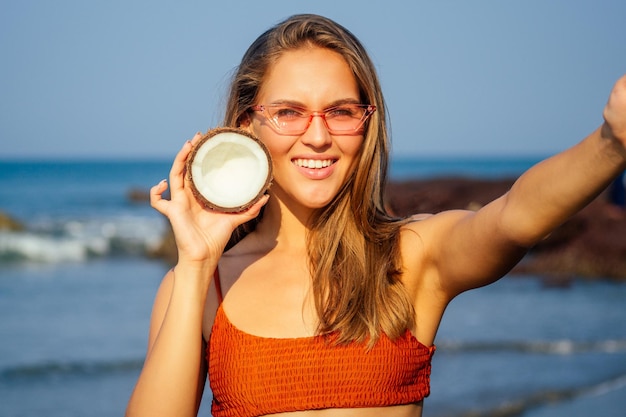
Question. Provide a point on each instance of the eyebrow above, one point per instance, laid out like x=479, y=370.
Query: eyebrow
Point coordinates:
x=299, y=104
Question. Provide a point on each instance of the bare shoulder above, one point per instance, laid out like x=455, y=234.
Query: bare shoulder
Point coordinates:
x=430, y=227
x=414, y=249
x=421, y=242
x=421, y=277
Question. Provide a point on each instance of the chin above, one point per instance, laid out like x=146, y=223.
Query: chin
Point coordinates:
x=311, y=199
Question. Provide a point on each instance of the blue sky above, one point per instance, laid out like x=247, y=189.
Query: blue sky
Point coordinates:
x=85, y=79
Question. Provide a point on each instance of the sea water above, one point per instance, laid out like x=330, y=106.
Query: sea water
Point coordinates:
x=76, y=292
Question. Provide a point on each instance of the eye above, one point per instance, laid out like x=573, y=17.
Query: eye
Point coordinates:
x=344, y=112
x=285, y=113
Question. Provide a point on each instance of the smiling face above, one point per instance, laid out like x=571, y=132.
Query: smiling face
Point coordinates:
x=309, y=169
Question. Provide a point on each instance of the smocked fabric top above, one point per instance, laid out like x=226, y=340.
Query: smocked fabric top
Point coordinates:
x=254, y=376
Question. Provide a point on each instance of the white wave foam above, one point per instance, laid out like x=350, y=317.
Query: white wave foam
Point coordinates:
x=41, y=248
x=607, y=386
x=551, y=347
x=78, y=240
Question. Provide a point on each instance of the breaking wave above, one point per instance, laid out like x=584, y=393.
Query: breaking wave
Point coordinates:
x=80, y=240
x=556, y=347
x=519, y=406
x=68, y=369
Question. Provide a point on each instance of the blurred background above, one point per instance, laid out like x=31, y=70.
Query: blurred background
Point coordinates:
x=97, y=97
x=136, y=78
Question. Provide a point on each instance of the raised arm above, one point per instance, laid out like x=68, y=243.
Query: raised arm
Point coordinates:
x=471, y=249
x=172, y=379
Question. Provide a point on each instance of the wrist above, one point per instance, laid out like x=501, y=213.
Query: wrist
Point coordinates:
x=194, y=275
x=617, y=145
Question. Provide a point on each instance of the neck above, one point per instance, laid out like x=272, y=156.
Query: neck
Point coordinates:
x=285, y=224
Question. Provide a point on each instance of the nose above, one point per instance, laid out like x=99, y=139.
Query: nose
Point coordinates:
x=317, y=134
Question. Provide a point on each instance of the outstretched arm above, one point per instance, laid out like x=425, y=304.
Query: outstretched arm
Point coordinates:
x=471, y=249
x=173, y=375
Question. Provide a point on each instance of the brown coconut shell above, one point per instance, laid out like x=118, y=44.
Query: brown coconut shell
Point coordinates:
x=195, y=182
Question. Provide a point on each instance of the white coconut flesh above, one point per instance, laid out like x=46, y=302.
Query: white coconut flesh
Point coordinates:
x=230, y=170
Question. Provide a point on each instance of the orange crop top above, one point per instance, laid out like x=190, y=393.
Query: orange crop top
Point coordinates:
x=254, y=376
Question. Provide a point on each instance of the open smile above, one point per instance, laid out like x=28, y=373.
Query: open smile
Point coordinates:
x=314, y=163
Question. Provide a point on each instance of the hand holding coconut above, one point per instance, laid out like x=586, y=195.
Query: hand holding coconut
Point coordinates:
x=202, y=227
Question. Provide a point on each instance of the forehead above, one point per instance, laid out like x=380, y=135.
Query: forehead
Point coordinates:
x=311, y=76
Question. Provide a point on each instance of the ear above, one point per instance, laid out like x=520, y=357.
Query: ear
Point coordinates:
x=245, y=122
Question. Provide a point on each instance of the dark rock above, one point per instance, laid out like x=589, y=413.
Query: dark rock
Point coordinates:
x=596, y=250
x=136, y=195
x=591, y=244
x=141, y=196
x=167, y=250
x=439, y=194
x=9, y=223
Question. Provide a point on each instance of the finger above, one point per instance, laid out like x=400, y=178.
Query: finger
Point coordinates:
x=194, y=141
x=156, y=197
x=196, y=137
x=177, y=172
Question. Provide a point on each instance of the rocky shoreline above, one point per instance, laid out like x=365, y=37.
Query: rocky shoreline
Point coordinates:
x=590, y=245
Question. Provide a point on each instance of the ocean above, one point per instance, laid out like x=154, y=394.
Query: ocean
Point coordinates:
x=76, y=292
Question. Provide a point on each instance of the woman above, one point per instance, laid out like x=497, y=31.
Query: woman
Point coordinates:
x=315, y=301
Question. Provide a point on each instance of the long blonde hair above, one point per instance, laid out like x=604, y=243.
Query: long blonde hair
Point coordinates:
x=353, y=243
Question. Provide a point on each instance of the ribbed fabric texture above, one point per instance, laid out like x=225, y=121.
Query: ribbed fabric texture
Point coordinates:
x=254, y=376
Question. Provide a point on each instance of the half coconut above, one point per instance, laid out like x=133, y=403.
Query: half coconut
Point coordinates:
x=229, y=169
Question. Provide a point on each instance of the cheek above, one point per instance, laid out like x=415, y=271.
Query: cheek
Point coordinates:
x=353, y=148
x=352, y=153
x=277, y=145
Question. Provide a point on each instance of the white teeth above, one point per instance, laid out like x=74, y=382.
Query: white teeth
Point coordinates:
x=313, y=163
